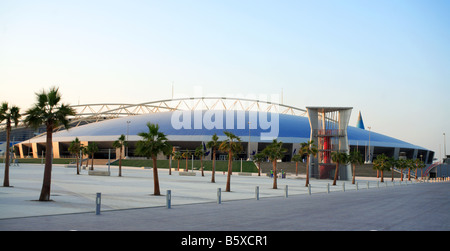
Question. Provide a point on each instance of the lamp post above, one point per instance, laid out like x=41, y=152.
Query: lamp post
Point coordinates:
x=445, y=148
x=128, y=128
x=248, y=150
x=369, y=160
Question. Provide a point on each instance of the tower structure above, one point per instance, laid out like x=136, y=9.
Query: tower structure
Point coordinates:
x=329, y=132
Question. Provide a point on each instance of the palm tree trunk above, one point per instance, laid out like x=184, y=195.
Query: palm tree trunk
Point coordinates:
x=307, y=171
x=259, y=168
x=78, y=161
x=409, y=173
x=120, y=162
x=354, y=175
x=336, y=173
x=274, y=164
x=155, y=178
x=186, y=164
x=228, y=188
x=392, y=174
x=46, y=184
x=8, y=135
x=201, y=164
x=170, y=164
x=382, y=176
x=92, y=163
x=296, y=168
x=213, y=180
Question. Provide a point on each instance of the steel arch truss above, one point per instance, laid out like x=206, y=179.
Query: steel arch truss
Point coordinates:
x=90, y=113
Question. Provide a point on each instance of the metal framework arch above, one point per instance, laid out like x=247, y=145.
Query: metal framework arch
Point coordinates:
x=96, y=112
x=88, y=113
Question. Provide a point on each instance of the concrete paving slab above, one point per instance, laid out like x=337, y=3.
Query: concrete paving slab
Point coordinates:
x=71, y=193
x=129, y=198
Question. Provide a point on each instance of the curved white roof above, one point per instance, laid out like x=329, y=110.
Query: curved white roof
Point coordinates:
x=201, y=125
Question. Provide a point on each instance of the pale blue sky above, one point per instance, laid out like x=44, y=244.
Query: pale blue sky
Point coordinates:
x=389, y=59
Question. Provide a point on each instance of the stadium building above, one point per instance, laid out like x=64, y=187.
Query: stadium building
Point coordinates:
x=191, y=122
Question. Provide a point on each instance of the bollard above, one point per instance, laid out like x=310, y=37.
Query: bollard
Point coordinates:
x=168, y=199
x=257, y=192
x=343, y=187
x=286, y=191
x=356, y=185
x=309, y=189
x=219, y=196
x=328, y=187
x=367, y=185
x=98, y=203
x=378, y=184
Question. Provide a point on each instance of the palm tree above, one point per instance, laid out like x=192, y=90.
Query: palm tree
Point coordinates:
x=308, y=148
x=120, y=143
x=402, y=164
x=392, y=162
x=338, y=158
x=258, y=158
x=177, y=156
x=230, y=145
x=274, y=152
x=152, y=144
x=10, y=114
x=91, y=149
x=84, y=152
x=49, y=111
x=186, y=155
x=74, y=148
x=355, y=158
x=297, y=158
x=411, y=165
x=419, y=165
x=200, y=153
x=381, y=163
x=214, y=145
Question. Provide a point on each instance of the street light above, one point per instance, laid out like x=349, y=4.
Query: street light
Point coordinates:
x=445, y=148
x=369, y=160
x=128, y=128
x=248, y=150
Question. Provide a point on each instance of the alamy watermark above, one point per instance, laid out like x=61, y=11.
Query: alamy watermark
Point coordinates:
x=230, y=119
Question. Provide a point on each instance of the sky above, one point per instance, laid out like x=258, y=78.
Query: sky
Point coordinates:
x=388, y=59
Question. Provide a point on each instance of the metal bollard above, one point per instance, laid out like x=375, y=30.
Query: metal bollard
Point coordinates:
x=286, y=191
x=328, y=187
x=219, y=196
x=356, y=185
x=169, y=199
x=257, y=192
x=98, y=202
x=343, y=187
x=309, y=189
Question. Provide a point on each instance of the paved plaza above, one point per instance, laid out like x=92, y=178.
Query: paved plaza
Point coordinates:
x=127, y=203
